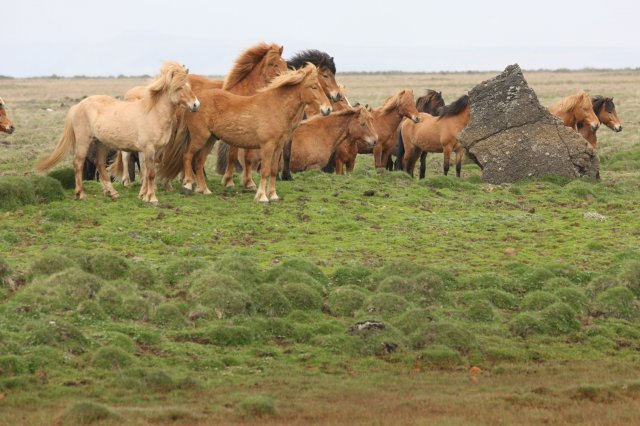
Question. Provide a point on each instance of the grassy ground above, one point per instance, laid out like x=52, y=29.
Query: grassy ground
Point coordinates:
x=213, y=310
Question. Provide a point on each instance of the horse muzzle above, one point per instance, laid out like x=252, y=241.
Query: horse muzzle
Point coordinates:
x=325, y=110
x=10, y=129
x=335, y=96
x=617, y=128
x=371, y=141
x=415, y=118
x=195, y=106
x=595, y=126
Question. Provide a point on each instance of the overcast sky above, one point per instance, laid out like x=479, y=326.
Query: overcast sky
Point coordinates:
x=112, y=37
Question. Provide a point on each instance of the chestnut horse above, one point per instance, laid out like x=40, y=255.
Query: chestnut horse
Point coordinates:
x=6, y=125
x=436, y=134
x=575, y=109
x=264, y=120
x=605, y=110
x=386, y=120
x=432, y=103
x=143, y=126
x=250, y=159
x=316, y=139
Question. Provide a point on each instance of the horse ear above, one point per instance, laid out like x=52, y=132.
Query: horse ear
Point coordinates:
x=1, y=104
x=281, y=50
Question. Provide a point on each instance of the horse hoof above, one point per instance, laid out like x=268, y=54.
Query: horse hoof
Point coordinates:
x=187, y=191
x=115, y=196
x=229, y=185
x=206, y=191
x=274, y=197
x=251, y=187
x=81, y=196
x=262, y=198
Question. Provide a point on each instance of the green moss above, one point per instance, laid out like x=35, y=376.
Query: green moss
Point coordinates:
x=481, y=311
x=629, y=276
x=413, y=320
x=616, y=302
x=168, y=315
x=86, y=413
x=602, y=283
x=110, y=301
x=356, y=276
x=450, y=335
x=525, y=324
x=284, y=276
x=241, y=267
x=301, y=265
x=50, y=263
x=270, y=301
x=500, y=299
x=440, y=357
x=135, y=308
x=46, y=189
x=222, y=335
x=120, y=340
x=302, y=296
x=258, y=406
x=108, y=266
x=65, y=176
x=340, y=344
x=384, y=303
x=111, y=358
x=143, y=276
x=533, y=280
x=225, y=302
x=15, y=192
x=538, y=300
x=573, y=296
x=177, y=269
x=60, y=335
x=559, y=318
x=345, y=301
x=556, y=283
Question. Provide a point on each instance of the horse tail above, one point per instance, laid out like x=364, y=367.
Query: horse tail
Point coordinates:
x=65, y=144
x=331, y=164
x=399, y=149
x=116, y=168
x=171, y=155
x=221, y=161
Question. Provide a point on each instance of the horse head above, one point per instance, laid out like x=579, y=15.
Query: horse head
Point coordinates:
x=312, y=93
x=584, y=113
x=173, y=81
x=5, y=124
x=362, y=127
x=274, y=64
x=605, y=110
x=406, y=105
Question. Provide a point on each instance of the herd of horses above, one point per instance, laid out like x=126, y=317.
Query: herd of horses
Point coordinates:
x=273, y=115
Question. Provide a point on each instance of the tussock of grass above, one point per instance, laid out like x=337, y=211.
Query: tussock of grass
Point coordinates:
x=258, y=406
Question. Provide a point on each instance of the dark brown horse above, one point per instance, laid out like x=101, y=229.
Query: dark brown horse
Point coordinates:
x=606, y=112
x=432, y=103
x=6, y=125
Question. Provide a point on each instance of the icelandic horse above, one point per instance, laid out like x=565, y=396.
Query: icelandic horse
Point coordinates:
x=605, y=110
x=249, y=159
x=265, y=120
x=315, y=139
x=386, y=119
x=144, y=125
x=576, y=109
x=6, y=125
x=436, y=134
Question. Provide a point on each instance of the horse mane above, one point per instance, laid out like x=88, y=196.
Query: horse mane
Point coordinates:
x=455, y=108
x=391, y=102
x=316, y=57
x=247, y=61
x=1, y=104
x=599, y=102
x=570, y=102
x=423, y=102
x=290, y=78
x=172, y=77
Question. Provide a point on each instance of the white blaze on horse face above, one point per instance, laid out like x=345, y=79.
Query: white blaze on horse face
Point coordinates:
x=325, y=109
x=617, y=128
x=196, y=106
x=335, y=96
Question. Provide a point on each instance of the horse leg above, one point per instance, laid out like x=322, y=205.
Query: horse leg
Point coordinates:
x=351, y=164
x=124, y=157
x=286, y=154
x=150, y=177
x=232, y=157
x=423, y=164
x=389, y=163
x=459, y=155
x=377, y=155
x=101, y=163
x=339, y=166
x=247, y=173
x=266, y=154
x=275, y=168
x=447, y=159
x=201, y=158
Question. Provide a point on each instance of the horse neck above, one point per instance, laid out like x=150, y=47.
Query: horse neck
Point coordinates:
x=337, y=128
x=290, y=107
x=164, y=110
x=252, y=82
x=387, y=121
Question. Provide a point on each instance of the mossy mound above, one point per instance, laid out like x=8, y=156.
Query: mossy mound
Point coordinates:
x=525, y=324
x=384, y=304
x=481, y=311
x=111, y=358
x=142, y=275
x=269, y=300
x=241, y=267
x=533, y=279
x=168, y=315
x=356, y=276
x=50, y=263
x=413, y=320
x=302, y=296
x=225, y=302
x=629, y=276
x=46, y=189
x=11, y=365
x=439, y=357
x=602, y=283
x=108, y=266
x=208, y=279
x=345, y=301
x=573, y=296
x=60, y=335
x=616, y=302
x=538, y=300
x=66, y=177
x=424, y=288
x=450, y=335
x=559, y=318
x=87, y=413
x=177, y=269
x=487, y=280
x=220, y=335
x=556, y=283
x=258, y=406
x=304, y=266
x=18, y=191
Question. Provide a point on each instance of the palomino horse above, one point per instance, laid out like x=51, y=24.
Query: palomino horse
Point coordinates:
x=264, y=120
x=316, y=139
x=575, y=109
x=6, y=125
x=605, y=110
x=250, y=159
x=436, y=134
x=143, y=126
x=386, y=120
x=432, y=103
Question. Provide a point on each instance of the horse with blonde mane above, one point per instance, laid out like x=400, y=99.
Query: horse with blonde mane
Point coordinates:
x=6, y=125
x=605, y=110
x=316, y=139
x=575, y=109
x=436, y=134
x=250, y=159
x=264, y=120
x=386, y=119
x=144, y=125
x=254, y=68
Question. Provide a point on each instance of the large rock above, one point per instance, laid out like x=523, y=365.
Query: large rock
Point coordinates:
x=511, y=136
